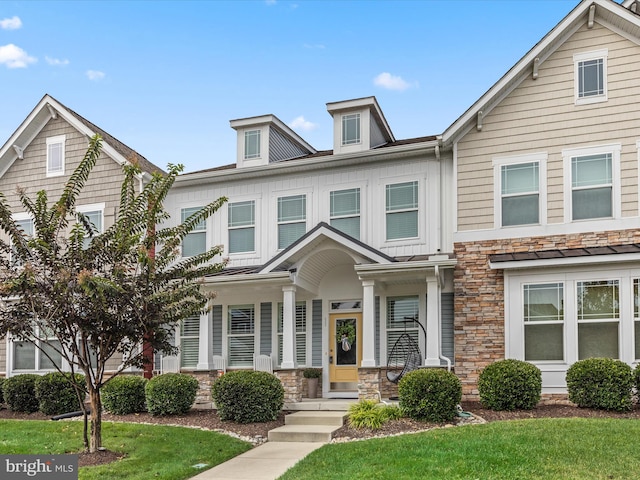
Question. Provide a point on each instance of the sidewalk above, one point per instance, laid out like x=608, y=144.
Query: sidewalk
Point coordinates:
x=266, y=462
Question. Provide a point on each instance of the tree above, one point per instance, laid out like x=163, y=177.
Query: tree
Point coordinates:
x=82, y=297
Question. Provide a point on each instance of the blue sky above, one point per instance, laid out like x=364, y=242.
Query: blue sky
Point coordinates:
x=166, y=77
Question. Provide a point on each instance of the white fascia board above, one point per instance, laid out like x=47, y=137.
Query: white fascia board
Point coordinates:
x=275, y=278
x=567, y=262
x=307, y=165
x=570, y=23
x=400, y=267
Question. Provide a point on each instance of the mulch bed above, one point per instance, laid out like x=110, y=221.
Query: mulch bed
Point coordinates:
x=257, y=432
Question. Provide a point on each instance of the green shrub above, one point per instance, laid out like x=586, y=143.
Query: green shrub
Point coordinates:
x=369, y=414
x=1, y=394
x=430, y=394
x=510, y=385
x=312, y=373
x=170, y=394
x=56, y=394
x=20, y=393
x=636, y=380
x=601, y=383
x=246, y=396
x=124, y=394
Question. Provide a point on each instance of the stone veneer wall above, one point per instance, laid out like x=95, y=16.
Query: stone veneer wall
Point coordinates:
x=479, y=296
x=292, y=383
x=205, y=380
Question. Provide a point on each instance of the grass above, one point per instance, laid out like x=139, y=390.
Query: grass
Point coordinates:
x=152, y=451
x=525, y=449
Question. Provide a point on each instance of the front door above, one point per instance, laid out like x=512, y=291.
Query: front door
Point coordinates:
x=345, y=351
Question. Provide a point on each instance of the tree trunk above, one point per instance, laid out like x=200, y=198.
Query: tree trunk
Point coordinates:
x=96, y=420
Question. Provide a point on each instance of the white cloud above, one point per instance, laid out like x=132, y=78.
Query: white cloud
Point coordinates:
x=15, y=57
x=56, y=62
x=12, y=23
x=302, y=124
x=390, y=82
x=270, y=2
x=95, y=75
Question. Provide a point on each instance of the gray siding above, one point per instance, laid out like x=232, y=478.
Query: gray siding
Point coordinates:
x=265, y=328
x=376, y=136
x=377, y=327
x=3, y=355
x=446, y=318
x=316, y=333
x=281, y=147
x=216, y=316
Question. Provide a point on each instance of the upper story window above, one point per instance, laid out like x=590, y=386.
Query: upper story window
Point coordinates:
x=94, y=214
x=345, y=211
x=590, y=76
x=242, y=226
x=402, y=210
x=195, y=242
x=351, y=129
x=55, y=155
x=26, y=225
x=519, y=186
x=252, y=144
x=292, y=215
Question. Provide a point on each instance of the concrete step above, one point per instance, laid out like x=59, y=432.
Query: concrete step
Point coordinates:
x=320, y=404
x=316, y=418
x=302, y=433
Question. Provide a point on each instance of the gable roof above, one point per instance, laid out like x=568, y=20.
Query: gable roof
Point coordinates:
x=606, y=12
x=49, y=108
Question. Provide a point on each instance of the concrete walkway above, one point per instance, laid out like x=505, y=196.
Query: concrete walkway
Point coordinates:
x=265, y=462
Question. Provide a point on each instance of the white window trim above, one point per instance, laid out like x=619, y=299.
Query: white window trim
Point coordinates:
x=342, y=120
x=18, y=217
x=309, y=208
x=422, y=207
x=586, y=56
x=61, y=139
x=498, y=162
x=246, y=156
x=567, y=154
x=338, y=217
x=225, y=331
x=256, y=218
x=93, y=207
x=198, y=205
x=10, y=360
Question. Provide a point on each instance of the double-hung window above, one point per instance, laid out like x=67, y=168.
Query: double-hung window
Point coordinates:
x=26, y=356
x=598, y=312
x=590, y=76
x=189, y=341
x=242, y=226
x=241, y=328
x=292, y=215
x=401, y=311
x=26, y=225
x=345, y=211
x=543, y=306
x=351, y=129
x=55, y=155
x=252, y=144
x=300, y=333
x=195, y=242
x=94, y=215
x=591, y=186
x=520, y=195
x=402, y=210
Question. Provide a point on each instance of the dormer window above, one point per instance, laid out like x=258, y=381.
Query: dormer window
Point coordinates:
x=252, y=144
x=55, y=156
x=351, y=129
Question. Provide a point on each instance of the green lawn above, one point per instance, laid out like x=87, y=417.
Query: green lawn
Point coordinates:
x=564, y=449
x=157, y=452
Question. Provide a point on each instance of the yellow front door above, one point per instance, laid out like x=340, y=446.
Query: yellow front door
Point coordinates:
x=345, y=350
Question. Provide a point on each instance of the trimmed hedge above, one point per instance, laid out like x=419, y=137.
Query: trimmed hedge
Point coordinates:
x=245, y=396
x=124, y=394
x=601, y=383
x=20, y=393
x=56, y=394
x=510, y=385
x=430, y=394
x=170, y=394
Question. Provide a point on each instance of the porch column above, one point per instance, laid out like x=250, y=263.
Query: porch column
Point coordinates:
x=288, y=326
x=432, y=347
x=368, y=324
x=205, y=343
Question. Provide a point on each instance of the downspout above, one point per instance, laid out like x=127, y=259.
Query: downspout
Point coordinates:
x=440, y=355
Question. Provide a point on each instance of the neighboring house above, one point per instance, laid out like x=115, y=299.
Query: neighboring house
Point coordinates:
x=547, y=212
x=42, y=154
x=350, y=243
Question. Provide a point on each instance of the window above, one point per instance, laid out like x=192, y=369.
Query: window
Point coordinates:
x=402, y=210
x=300, y=333
x=591, y=186
x=598, y=312
x=26, y=225
x=400, y=311
x=291, y=219
x=189, y=342
x=544, y=322
x=26, y=356
x=242, y=227
x=590, y=76
x=241, y=335
x=252, y=144
x=195, y=242
x=55, y=156
x=520, y=198
x=95, y=219
x=345, y=211
x=351, y=129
